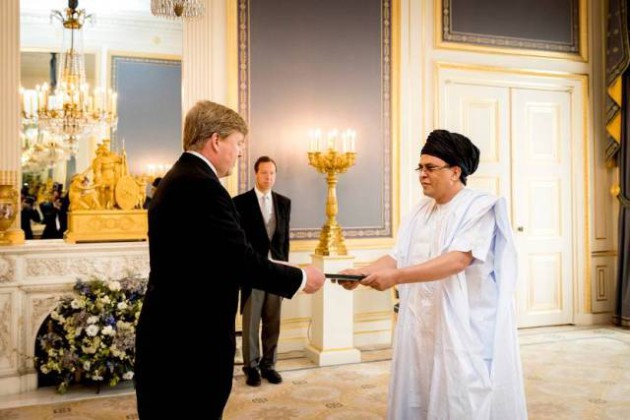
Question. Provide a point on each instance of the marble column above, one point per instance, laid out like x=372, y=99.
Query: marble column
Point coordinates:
x=10, y=170
x=332, y=333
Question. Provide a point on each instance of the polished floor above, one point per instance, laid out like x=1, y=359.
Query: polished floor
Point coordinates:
x=570, y=373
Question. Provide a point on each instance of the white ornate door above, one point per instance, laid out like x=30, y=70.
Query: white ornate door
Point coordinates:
x=541, y=193
x=524, y=134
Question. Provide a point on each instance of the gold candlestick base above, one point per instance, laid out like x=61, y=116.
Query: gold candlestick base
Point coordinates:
x=331, y=163
x=331, y=241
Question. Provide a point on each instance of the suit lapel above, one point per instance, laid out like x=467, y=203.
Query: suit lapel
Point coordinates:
x=255, y=206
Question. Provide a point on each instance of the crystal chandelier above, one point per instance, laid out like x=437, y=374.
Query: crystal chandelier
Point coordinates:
x=42, y=150
x=69, y=109
x=177, y=8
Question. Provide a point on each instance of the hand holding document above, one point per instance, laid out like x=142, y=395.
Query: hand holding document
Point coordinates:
x=344, y=277
x=314, y=279
x=314, y=276
x=349, y=279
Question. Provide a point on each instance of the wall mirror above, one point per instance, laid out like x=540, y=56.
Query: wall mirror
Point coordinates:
x=121, y=39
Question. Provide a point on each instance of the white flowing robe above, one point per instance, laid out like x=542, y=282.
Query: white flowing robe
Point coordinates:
x=456, y=346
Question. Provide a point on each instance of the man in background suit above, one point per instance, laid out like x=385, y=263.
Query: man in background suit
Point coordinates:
x=265, y=217
x=185, y=334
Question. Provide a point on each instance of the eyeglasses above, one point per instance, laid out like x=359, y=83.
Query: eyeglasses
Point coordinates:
x=429, y=169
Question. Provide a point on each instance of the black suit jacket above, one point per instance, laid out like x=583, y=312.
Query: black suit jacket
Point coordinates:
x=186, y=328
x=254, y=226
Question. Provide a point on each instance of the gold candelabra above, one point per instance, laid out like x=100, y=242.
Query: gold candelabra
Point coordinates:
x=331, y=161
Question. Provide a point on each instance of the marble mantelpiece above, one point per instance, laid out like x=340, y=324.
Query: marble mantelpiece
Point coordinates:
x=32, y=278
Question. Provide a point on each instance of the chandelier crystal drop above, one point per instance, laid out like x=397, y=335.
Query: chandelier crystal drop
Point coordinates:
x=175, y=9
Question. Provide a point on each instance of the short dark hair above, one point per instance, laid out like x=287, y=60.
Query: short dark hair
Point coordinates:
x=263, y=159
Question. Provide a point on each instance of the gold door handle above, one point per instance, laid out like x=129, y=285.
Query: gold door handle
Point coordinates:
x=520, y=228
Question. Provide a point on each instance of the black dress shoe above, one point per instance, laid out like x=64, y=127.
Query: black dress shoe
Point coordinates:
x=271, y=375
x=253, y=376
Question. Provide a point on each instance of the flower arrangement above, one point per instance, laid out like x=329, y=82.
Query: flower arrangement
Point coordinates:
x=91, y=334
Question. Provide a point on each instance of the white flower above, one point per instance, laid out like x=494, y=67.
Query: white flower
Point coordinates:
x=84, y=342
x=91, y=349
x=77, y=304
x=58, y=317
x=113, y=285
x=92, y=330
x=108, y=330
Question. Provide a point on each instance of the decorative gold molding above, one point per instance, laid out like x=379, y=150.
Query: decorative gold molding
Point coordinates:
x=9, y=177
x=582, y=80
x=351, y=244
x=107, y=225
x=596, y=254
x=371, y=332
x=395, y=120
x=137, y=57
x=581, y=55
x=231, y=182
x=374, y=316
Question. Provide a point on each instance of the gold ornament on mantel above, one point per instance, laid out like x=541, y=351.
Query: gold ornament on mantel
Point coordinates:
x=110, y=207
x=8, y=211
x=332, y=158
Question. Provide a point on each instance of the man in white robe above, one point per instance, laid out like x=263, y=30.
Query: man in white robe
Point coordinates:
x=455, y=346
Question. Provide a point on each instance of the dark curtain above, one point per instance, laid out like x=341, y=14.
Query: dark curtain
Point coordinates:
x=622, y=306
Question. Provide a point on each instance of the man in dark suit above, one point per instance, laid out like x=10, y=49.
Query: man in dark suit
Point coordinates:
x=29, y=213
x=265, y=217
x=185, y=334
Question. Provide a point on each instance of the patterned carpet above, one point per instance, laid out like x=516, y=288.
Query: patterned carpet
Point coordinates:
x=570, y=373
x=577, y=373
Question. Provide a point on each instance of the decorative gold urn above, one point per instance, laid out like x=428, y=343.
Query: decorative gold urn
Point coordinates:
x=8, y=212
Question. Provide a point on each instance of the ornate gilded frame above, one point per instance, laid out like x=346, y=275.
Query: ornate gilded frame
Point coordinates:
x=115, y=57
x=357, y=238
x=446, y=38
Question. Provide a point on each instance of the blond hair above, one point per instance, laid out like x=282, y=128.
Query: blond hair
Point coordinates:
x=206, y=118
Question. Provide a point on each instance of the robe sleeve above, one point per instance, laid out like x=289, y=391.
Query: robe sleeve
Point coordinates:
x=476, y=235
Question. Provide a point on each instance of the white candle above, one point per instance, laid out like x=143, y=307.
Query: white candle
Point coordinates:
x=318, y=140
x=332, y=139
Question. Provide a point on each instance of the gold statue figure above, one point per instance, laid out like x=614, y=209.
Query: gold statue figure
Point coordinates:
x=115, y=188
x=110, y=209
x=82, y=195
x=107, y=169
